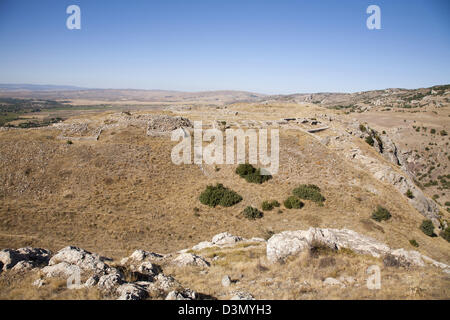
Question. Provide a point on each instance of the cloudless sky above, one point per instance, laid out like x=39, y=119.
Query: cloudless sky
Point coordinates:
x=254, y=45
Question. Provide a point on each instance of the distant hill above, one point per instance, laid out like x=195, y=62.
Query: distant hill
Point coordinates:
x=37, y=87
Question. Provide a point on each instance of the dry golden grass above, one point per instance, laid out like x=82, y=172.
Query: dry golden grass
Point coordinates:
x=301, y=277
x=123, y=193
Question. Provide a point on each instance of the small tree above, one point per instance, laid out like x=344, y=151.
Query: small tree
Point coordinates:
x=381, y=214
x=370, y=140
x=409, y=194
x=427, y=227
x=293, y=202
x=413, y=243
x=252, y=213
x=445, y=234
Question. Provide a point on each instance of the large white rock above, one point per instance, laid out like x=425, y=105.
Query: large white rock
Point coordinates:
x=79, y=257
x=186, y=294
x=225, y=238
x=131, y=291
x=109, y=281
x=287, y=243
x=189, y=259
x=60, y=270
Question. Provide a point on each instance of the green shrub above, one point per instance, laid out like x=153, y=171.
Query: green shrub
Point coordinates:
x=219, y=195
x=370, y=141
x=69, y=142
x=251, y=174
x=309, y=192
x=269, y=205
x=362, y=128
x=293, y=202
x=245, y=169
x=447, y=203
x=443, y=133
x=427, y=227
x=409, y=194
x=445, y=234
x=252, y=213
x=381, y=214
x=413, y=243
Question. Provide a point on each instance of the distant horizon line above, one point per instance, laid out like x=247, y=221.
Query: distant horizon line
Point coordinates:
x=57, y=87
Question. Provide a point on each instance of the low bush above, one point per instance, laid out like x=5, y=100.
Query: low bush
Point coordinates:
x=409, y=194
x=309, y=192
x=427, y=227
x=252, y=213
x=381, y=214
x=219, y=195
x=413, y=243
x=269, y=205
x=370, y=141
x=293, y=202
x=251, y=174
x=445, y=234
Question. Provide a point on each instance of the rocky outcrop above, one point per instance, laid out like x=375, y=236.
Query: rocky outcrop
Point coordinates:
x=30, y=257
x=140, y=256
x=131, y=291
x=400, y=179
x=222, y=240
x=287, y=243
x=83, y=259
x=189, y=259
x=186, y=294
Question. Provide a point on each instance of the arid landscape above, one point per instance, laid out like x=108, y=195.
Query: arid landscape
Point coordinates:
x=92, y=169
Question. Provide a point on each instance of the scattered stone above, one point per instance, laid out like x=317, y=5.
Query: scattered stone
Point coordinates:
x=38, y=283
x=225, y=238
x=240, y=295
x=110, y=281
x=92, y=281
x=186, y=294
x=22, y=266
x=131, y=291
x=333, y=282
x=226, y=281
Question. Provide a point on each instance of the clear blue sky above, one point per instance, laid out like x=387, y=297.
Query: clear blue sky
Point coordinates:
x=192, y=45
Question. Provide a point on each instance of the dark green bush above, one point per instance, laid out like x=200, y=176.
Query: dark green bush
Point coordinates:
x=413, y=243
x=427, y=227
x=370, y=140
x=251, y=174
x=269, y=205
x=252, y=213
x=219, y=195
x=381, y=214
x=245, y=169
x=309, y=192
x=293, y=202
x=445, y=234
x=409, y=194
